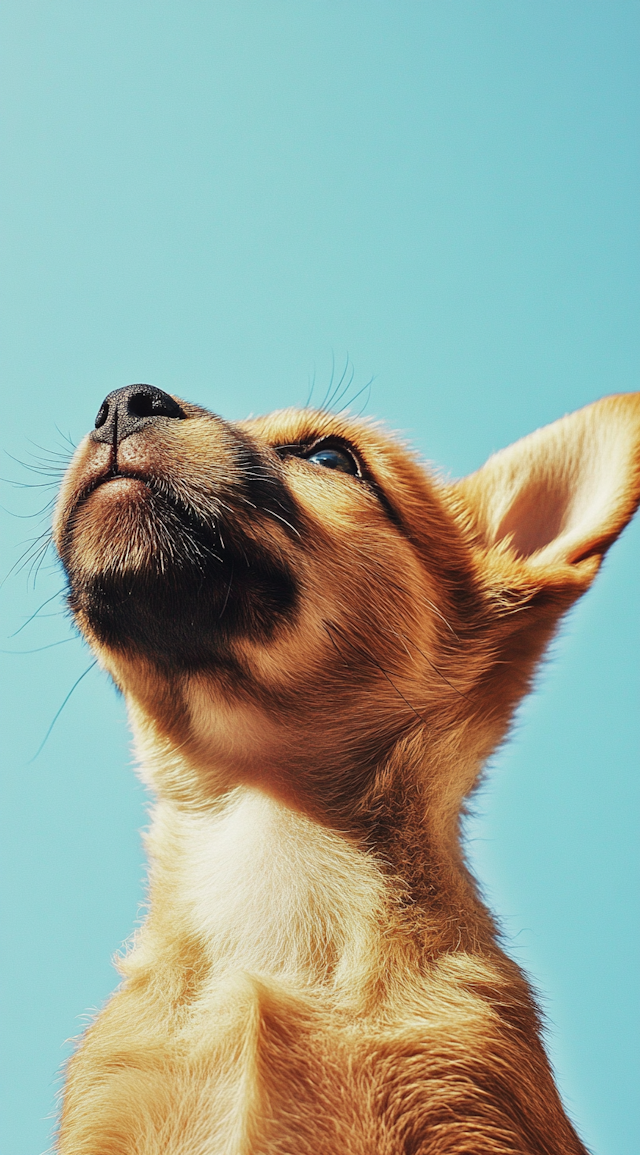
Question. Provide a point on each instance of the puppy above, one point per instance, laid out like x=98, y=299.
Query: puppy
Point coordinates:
x=320, y=644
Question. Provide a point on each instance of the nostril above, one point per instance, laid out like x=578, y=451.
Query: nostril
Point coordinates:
x=147, y=401
x=103, y=413
x=143, y=405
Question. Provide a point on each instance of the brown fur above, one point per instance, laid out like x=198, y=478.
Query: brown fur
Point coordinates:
x=317, y=972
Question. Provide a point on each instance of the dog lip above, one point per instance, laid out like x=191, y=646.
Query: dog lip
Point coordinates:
x=103, y=479
x=118, y=476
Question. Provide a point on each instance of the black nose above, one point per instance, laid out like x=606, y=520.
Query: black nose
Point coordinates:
x=125, y=411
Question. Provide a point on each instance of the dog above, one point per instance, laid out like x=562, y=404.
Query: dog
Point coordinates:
x=320, y=644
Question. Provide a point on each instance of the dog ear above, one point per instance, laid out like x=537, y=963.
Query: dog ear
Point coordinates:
x=559, y=498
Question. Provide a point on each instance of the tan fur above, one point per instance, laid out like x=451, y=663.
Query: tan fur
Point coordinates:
x=317, y=974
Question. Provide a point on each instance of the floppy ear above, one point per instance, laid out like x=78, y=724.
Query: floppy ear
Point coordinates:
x=558, y=498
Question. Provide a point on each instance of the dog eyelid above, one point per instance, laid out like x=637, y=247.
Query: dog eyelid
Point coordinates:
x=345, y=459
x=305, y=449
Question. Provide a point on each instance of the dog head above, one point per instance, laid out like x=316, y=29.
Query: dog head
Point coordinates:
x=283, y=600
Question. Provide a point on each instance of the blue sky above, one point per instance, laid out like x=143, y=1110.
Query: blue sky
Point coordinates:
x=222, y=199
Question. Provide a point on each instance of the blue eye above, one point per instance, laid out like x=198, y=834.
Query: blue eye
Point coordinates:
x=333, y=458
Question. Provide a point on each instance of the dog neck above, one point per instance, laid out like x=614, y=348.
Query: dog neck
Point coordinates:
x=269, y=891
x=266, y=889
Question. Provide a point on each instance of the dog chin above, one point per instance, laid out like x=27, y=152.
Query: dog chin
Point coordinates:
x=147, y=578
x=123, y=531
x=151, y=616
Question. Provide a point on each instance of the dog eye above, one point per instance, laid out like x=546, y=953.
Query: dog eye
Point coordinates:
x=332, y=457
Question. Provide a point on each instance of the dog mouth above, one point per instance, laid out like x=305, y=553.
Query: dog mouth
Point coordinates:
x=116, y=476
x=156, y=571
x=109, y=477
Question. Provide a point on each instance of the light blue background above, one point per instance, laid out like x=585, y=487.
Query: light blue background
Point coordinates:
x=218, y=198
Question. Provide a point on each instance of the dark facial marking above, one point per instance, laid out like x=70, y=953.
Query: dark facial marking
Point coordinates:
x=183, y=614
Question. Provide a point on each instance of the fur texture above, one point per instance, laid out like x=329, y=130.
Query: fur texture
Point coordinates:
x=317, y=663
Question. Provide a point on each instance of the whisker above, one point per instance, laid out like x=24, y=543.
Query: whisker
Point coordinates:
x=375, y=662
x=59, y=711
x=284, y=521
x=433, y=666
x=34, y=615
x=311, y=389
x=43, y=467
x=66, y=437
x=64, y=455
x=335, y=645
x=351, y=400
x=226, y=597
x=39, y=649
x=435, y=609
x=38, y=560
x=29, y=484
x=338, y=387
x=31, y=552
x=367, y=398
x=335, y=400
x=26, y=516
x=330, y=385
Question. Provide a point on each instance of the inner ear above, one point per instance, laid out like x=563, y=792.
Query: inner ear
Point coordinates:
x=539, y=514
x=564, y=493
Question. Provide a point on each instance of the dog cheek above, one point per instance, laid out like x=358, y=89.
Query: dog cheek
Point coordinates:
x=89, y=462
